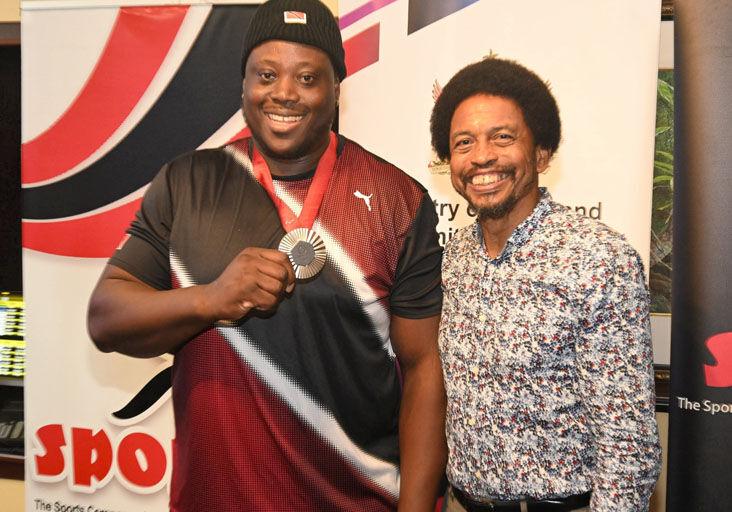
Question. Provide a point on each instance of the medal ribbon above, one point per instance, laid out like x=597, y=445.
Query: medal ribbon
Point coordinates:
x=316, y=191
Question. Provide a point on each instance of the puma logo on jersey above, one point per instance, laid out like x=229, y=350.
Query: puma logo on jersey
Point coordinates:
x=366, y=198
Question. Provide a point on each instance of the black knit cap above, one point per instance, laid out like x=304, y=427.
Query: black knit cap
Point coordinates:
x=319, y=29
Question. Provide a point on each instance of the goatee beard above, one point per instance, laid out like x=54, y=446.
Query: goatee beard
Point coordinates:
x=497, y=211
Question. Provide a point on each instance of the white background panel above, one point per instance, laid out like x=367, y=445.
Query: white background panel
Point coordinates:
x=600, y=59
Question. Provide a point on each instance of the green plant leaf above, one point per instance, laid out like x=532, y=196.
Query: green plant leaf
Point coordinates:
x=666, y=92
x=665, y=154
x=663, y=166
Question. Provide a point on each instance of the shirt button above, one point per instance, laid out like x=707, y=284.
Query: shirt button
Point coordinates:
x=478, y=474
x=474, y=370
x=471, y=422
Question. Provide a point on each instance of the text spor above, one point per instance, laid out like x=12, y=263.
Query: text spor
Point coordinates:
x=89, y=460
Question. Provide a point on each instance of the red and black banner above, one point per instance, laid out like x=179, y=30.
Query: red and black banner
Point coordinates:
x=700, y=460
x=203, y=93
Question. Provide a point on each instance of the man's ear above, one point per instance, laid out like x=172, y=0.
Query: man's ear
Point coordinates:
x=337, y=90
x=543, y=156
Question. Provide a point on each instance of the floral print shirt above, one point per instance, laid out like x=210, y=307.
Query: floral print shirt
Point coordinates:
x=547, y=359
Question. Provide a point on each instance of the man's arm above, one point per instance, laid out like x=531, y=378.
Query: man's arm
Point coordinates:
x=128, y=316
x=615, y=369
x=422, y=446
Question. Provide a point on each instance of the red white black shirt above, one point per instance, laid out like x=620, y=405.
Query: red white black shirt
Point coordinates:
x=295, y=410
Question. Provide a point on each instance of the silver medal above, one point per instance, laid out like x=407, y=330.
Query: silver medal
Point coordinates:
x=306, y=251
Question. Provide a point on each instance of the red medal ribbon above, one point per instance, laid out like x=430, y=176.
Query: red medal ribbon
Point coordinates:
x=316, y=191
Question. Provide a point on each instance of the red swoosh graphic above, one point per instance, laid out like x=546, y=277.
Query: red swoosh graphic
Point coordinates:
x=137, y=45
x=96, y=236
x=362, y=49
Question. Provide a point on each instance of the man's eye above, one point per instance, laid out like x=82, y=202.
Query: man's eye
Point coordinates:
x=462, y=142
x=307, y=79
x=267, y=76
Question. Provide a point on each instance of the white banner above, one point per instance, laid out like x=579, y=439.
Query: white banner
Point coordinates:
x=600, y=58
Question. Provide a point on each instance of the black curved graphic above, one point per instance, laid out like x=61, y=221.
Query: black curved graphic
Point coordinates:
x=147, y=396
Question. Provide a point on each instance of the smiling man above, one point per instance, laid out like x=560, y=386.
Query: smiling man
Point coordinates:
x=296, y=278
x=545, y=338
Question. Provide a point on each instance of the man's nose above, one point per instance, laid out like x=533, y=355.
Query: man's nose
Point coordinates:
x=285, y=90
x=484, y=154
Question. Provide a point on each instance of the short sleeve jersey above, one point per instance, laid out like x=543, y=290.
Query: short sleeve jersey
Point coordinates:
x=295, y=409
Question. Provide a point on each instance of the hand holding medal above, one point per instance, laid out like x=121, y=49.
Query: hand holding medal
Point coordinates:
x=262, y=269
x=257, y=278
x=303, y=246
x=306, y=251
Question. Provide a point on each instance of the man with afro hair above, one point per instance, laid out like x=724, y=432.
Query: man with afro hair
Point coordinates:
x=545, y=336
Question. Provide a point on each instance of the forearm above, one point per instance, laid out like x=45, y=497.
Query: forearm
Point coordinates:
x=615, y=379
x=626, y=438
x=423, y=450
x=134, y=319
x=626, y=474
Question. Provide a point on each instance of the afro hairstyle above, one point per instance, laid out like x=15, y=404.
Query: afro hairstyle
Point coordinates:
x=498, y=77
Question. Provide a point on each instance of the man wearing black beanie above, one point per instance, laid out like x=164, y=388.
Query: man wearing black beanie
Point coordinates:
x=296, y=278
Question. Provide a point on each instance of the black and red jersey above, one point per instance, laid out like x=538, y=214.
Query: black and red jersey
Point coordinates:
x=296, y=409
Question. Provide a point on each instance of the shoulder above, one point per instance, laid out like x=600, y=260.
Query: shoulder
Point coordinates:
x=588, y=242
x=198, y=169
x=372, y=167
x=199, y=160
x=462, y=242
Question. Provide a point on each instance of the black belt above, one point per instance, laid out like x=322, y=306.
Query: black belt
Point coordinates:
x=549, y=505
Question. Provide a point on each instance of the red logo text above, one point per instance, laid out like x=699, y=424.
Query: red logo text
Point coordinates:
x=89, y=459
x=720, y=375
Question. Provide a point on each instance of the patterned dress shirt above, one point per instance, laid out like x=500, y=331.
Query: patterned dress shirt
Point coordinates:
x=548, y=366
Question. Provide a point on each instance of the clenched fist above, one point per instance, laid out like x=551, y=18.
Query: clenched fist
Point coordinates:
x=255, y=279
